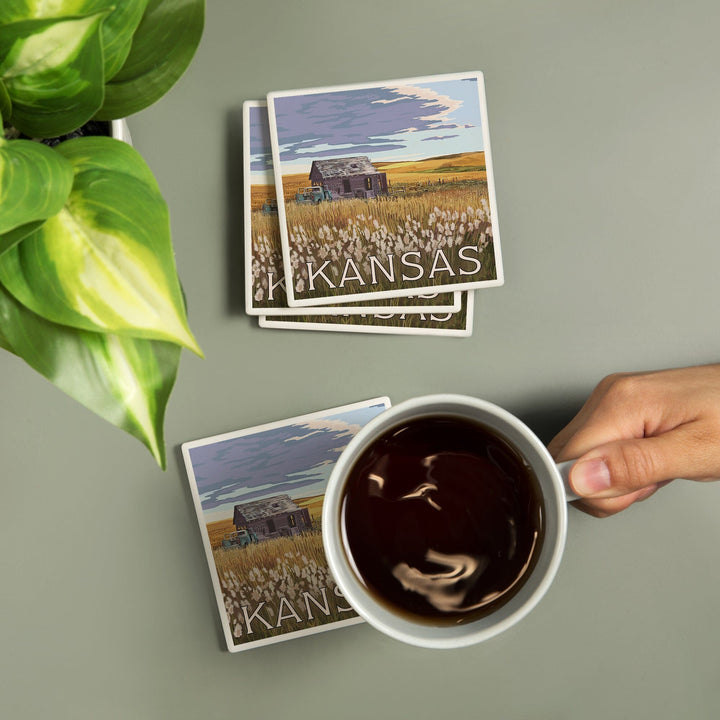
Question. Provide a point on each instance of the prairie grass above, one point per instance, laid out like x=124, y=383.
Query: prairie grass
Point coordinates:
x=266, y=260
x=290, y=568
x=440, y=218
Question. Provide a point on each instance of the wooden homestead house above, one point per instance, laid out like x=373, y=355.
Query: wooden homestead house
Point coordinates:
x=349, y=177
x=276, y=516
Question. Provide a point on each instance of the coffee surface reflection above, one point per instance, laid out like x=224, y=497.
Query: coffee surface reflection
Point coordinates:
x=442, y=520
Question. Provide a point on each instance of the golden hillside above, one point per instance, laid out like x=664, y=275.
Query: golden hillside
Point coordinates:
x=459, y=163
x=462, y=166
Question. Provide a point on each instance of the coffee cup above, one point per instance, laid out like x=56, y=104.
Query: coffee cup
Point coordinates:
x=441, y=598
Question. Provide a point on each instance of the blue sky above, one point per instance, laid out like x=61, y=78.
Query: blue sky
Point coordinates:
x=386, y=122
x=294, y=459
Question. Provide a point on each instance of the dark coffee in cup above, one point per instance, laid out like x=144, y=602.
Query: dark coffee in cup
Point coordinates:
x=442, y=520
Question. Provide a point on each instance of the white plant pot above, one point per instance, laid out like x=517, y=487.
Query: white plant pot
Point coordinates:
x=119, y=130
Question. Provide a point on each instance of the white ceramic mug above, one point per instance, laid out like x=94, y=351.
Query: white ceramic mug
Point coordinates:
x=555, y=491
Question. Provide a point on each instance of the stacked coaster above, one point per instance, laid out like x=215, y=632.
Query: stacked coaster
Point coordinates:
x=370, y=207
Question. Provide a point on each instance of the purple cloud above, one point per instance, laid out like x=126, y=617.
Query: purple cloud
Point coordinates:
x=439, y=137
x=355, y=150
x=358, y=120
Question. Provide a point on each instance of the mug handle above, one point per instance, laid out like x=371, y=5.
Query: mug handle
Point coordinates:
x=564, y=470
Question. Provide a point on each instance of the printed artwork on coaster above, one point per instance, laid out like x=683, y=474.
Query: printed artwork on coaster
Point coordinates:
x=258, y=495
x=385, y=189
x=458, y=324
x=264, y=274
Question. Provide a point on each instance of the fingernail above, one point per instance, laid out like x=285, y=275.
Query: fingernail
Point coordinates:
x=590, y=477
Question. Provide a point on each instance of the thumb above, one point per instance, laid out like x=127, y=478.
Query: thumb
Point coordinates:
x=625, y=466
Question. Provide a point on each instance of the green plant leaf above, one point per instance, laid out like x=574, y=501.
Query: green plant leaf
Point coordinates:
x=125, y=380
x=4, y=342
x=13, y=237
x=35, y=182
x=104, y=262
x=117, y=30
x=5, y=105
x=162, y=48
x=53, y=73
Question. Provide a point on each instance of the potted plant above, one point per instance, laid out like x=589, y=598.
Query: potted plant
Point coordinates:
x=89, y=293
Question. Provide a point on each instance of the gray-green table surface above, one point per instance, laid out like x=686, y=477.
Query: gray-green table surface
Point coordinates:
x=605, y=126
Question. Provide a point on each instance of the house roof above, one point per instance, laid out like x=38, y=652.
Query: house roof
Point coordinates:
x=344, y=167
x=267, y=507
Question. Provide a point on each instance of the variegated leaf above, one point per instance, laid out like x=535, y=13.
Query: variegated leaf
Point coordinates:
x=53, y=72
x=35, y=182
x=14, y=236
x=105, y=261
x=163, y=46
x=117, y=30
x=125, y=380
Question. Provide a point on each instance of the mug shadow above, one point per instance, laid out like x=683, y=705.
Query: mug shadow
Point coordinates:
x=547, y=417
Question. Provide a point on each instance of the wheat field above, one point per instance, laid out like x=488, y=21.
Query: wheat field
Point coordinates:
x=284, y=583
x=259, y=575
x=462, y=167
x=440, y=219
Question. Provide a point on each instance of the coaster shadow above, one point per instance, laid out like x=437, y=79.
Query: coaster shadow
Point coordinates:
x=234, y=214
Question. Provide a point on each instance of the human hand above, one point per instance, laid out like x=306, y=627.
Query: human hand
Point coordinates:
x=639, y=431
